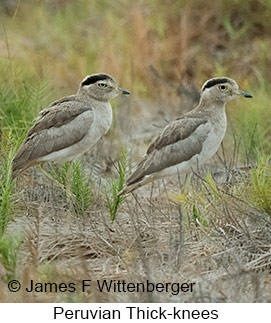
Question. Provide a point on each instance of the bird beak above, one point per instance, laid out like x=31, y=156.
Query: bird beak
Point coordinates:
x=245, y=94
x=123, y=91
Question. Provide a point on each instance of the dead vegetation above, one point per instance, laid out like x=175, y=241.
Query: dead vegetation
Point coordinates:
x=214, y=238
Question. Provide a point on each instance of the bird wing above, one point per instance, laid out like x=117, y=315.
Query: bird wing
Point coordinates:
x=179, y=141
x=58, y=113
x=54, y=130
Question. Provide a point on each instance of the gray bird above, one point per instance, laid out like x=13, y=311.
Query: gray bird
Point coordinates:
x=69, y=126
x=189, y=141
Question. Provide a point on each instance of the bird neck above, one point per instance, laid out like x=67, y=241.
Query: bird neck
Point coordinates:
x=89, y=98
x=211, y=105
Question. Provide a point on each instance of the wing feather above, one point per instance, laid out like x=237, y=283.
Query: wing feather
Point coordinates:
x=54, y=130
x=58, y=114
x=179, y=141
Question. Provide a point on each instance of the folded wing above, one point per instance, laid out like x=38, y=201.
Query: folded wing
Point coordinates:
x=179, y=141
x=55, y=129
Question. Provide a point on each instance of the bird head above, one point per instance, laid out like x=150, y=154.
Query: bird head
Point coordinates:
x=221, y=89
x=101, y=87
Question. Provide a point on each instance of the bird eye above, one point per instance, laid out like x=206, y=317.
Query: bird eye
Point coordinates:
x=102, y=85
x=222, y=88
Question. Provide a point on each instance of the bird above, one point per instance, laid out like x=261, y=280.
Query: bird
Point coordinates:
x=69, y=126
x=189, y=141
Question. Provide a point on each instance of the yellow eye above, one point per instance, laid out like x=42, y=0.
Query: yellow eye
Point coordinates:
x=102, y=85
x=223, y=88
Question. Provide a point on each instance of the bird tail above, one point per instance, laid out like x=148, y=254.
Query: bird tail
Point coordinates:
x=129, y=188
x=16, y=171
x=18, y=168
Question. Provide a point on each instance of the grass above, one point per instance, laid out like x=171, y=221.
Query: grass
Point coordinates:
x=82, y=188
x=8, y=195
x=81, y=185
x=19, y=106
x=9, y=249
x=221, y=232
x=257, y=116
x=114, y=187
x=9, y=205
x=259, y=187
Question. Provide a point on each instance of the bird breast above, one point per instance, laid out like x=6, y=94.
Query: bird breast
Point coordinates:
x=99, y=127
x=217, y=125
x=102, y=120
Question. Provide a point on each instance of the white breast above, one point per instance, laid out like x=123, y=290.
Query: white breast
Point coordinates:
x=218, y=126
x=101, y=124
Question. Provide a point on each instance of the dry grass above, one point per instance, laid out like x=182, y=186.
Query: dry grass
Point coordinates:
x=152, y=238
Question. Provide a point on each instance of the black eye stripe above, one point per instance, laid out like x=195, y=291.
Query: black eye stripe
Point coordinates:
x=94, y=78
x=213, y=82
